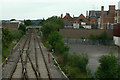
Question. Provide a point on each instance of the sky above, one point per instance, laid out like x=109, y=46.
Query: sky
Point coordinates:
x=39, y=9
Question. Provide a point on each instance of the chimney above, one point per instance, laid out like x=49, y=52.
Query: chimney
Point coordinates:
x=102, y=17
x=73, y=16
x=111, y=10
x=61, y=16
x=86, y=13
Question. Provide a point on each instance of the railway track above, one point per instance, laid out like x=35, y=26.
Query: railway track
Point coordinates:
x=24, y=64
x=25, y=69
x=48, y=73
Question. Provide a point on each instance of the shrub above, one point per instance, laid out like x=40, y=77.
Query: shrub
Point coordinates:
x=22, y=27
x=74, y=73
x=61, y=48
x=46, y=44
x=6, y=37
x=80, y=61
x=17, y=34
x=108, y=67
x=102, y=36
x=47, y=29
x=54, y=38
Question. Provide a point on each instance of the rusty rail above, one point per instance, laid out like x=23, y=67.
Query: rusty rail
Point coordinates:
x=44, y=58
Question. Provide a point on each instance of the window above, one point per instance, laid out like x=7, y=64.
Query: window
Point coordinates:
x=81, y=19
x=92, y=26
x=115, y=18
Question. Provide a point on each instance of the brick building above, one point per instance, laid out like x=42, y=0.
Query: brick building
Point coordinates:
x=74, y=22
x=10, y=25
x=104, y=19
x=68, y=20
x=99, y=19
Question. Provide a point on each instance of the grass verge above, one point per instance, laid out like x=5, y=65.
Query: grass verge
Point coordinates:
x=6, y=50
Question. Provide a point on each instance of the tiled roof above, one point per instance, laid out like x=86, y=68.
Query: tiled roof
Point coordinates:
x=75, y=18
x=96, y=14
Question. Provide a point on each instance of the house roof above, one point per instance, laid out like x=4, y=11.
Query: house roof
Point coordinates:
x=96, y=14
x=68, y=17
x=75, y=18
x=82, y=17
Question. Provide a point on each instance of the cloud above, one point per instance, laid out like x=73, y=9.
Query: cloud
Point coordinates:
x=21, y=9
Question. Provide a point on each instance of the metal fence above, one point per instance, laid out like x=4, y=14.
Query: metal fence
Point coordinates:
x=88, y=42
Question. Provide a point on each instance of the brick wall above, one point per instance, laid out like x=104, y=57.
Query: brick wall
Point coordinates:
x=10, y=25
x=78, y=33
x=93, y=20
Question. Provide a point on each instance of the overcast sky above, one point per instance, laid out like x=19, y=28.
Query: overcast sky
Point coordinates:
x=38, y=9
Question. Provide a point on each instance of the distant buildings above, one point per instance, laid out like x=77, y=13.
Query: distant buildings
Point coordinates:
x=104, y=19
x=74, y=22
x=116, y=36
x=11, y=25
x=94, y=19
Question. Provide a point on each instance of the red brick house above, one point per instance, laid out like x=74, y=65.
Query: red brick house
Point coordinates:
x=68, y=20
x=82, y=18
x=74, y=22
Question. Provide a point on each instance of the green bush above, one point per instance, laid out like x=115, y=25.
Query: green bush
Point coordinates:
x=17, y=34
x=54, y=38
x=46, y=44
x=93, y=37
x=108, y=67
x=22, y=27
x=79, y=61
x=102, y=36
x=89, y=73
x=118, y=70
x=74, y=73
x=61, y=48
x=47, y=29
x=6, y=37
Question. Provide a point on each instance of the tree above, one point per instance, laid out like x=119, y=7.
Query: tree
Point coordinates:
x=47, y=29
x=108, y=67
x=13, y=20
x=51, y=24
x=28, y=22
x=22, y=27
x=60, y=47
x=54, y=38
x=56, y=20
x=42, y=22
x=6, y=37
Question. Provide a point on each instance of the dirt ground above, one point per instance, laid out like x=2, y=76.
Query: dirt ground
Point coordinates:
x=94, y=52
